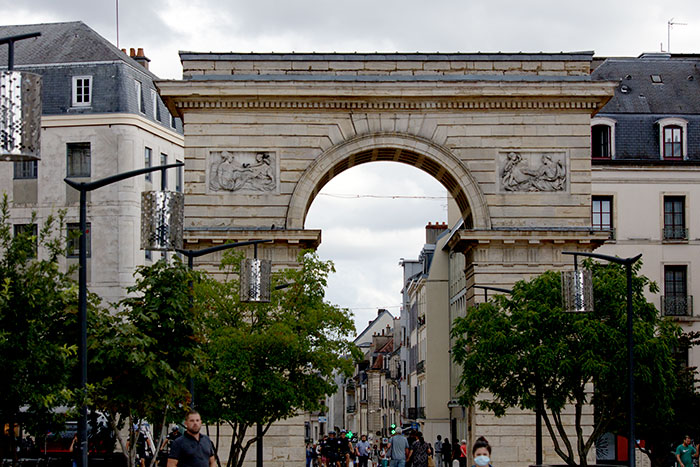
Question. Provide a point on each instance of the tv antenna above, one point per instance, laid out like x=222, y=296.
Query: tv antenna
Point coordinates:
x=671, y=23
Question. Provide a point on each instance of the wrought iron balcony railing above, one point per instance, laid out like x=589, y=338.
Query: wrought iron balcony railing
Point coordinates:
x=675, y=233
x=420, y=367
x=677, y=305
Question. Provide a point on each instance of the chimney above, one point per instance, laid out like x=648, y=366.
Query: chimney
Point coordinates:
x=140, y=57
x=433, y=231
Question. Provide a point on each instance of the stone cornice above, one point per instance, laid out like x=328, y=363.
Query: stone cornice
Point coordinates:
x=181, y=96
x=466, y=239
x=106, y=119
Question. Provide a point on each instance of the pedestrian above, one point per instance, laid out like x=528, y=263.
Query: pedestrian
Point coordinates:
x=481, y=451
x=420, y=451
x=685, y=452
x=398, y=450
x=192, y=449
x=462, y=453
x=438, y=451
x=362, y=450
x=446, y=452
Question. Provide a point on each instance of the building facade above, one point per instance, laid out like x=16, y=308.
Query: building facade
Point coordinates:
x=101, y=115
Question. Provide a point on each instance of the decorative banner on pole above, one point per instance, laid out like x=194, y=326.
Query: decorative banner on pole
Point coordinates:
x=162, y=219
x=20, y=116
x=577, y=290
x=255, y=280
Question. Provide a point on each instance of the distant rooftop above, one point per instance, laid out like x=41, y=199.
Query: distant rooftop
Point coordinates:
x=62, y=43
x=653, y=83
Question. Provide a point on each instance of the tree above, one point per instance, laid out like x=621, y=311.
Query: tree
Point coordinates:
x=267, y=362
x=38, y=304
x=512, y=345
x=662, y=435
x=142, y=356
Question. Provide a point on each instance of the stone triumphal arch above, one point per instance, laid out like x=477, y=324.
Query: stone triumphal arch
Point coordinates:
x=508, y=135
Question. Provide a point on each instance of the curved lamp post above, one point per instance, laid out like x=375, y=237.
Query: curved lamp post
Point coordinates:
x=84, y=188
x=579, y=287
x=254, y=287
x=539, y=403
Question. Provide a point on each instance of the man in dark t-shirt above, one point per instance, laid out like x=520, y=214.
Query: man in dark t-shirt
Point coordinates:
x=192, y=449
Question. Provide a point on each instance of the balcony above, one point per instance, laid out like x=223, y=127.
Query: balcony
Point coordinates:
x=350, y=385
x=412, y=412
x=675, y=233
x=421, y=412
x=420, y=367
x=350, y=408
x=677, y=305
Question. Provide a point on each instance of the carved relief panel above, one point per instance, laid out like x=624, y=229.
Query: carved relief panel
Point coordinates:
x=532, y=171
x=242, y=171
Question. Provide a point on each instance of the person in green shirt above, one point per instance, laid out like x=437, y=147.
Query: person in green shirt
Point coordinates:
x=685, y=452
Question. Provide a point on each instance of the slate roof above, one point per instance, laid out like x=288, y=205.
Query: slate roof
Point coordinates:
x=62, y=43
x=678, y=92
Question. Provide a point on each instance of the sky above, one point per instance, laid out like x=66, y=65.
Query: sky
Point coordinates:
x=375, y=214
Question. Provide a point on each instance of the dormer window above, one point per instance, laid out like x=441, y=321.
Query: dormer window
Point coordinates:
x=82, y=91
x=602, y=138
x=673, y=138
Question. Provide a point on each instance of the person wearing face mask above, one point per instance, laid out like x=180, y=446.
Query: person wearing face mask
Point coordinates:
x=481, y=453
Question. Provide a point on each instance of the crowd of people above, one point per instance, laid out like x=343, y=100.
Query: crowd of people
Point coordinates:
x=337, y=450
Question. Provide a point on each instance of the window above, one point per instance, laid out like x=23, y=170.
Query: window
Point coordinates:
x=147, y=161
x=78, y=159
x=148, y=255
x=73, y=239
x=673, y=142
x=29, y=230
x=82, y=91
x=164, y=173
x=674, y=218
x=139, y=96
x=26, y=169
x=156, y=109
x=172, y=121
x=601, y=212
x=179, y=175
x=675, y=299
x=602, y=138
x=673, y=136
x=600, y=142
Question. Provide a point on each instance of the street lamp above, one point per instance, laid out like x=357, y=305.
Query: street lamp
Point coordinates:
x=539, y=403
x=627, y=263
x=84, y=188
x=20, y=108
x=254, y=287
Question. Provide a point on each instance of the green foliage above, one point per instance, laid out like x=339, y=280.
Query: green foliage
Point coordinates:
x=512, y=345
x=142, y=356
x=38, y=305
x=663, y=434
x=267, y=362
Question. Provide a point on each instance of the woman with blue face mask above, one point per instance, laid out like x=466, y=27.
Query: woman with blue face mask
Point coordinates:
x=481, y=453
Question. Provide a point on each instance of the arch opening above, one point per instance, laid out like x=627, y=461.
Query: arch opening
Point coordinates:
x=428, y=157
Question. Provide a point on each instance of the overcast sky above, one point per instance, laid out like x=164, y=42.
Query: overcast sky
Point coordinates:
x=367, y=236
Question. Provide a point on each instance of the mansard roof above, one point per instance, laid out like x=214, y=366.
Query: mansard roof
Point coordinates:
x=652, y=84
x=62, y=43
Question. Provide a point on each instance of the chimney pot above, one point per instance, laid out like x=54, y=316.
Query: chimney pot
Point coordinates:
x=124, y=50
x=140, y=52
x=132, y=52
